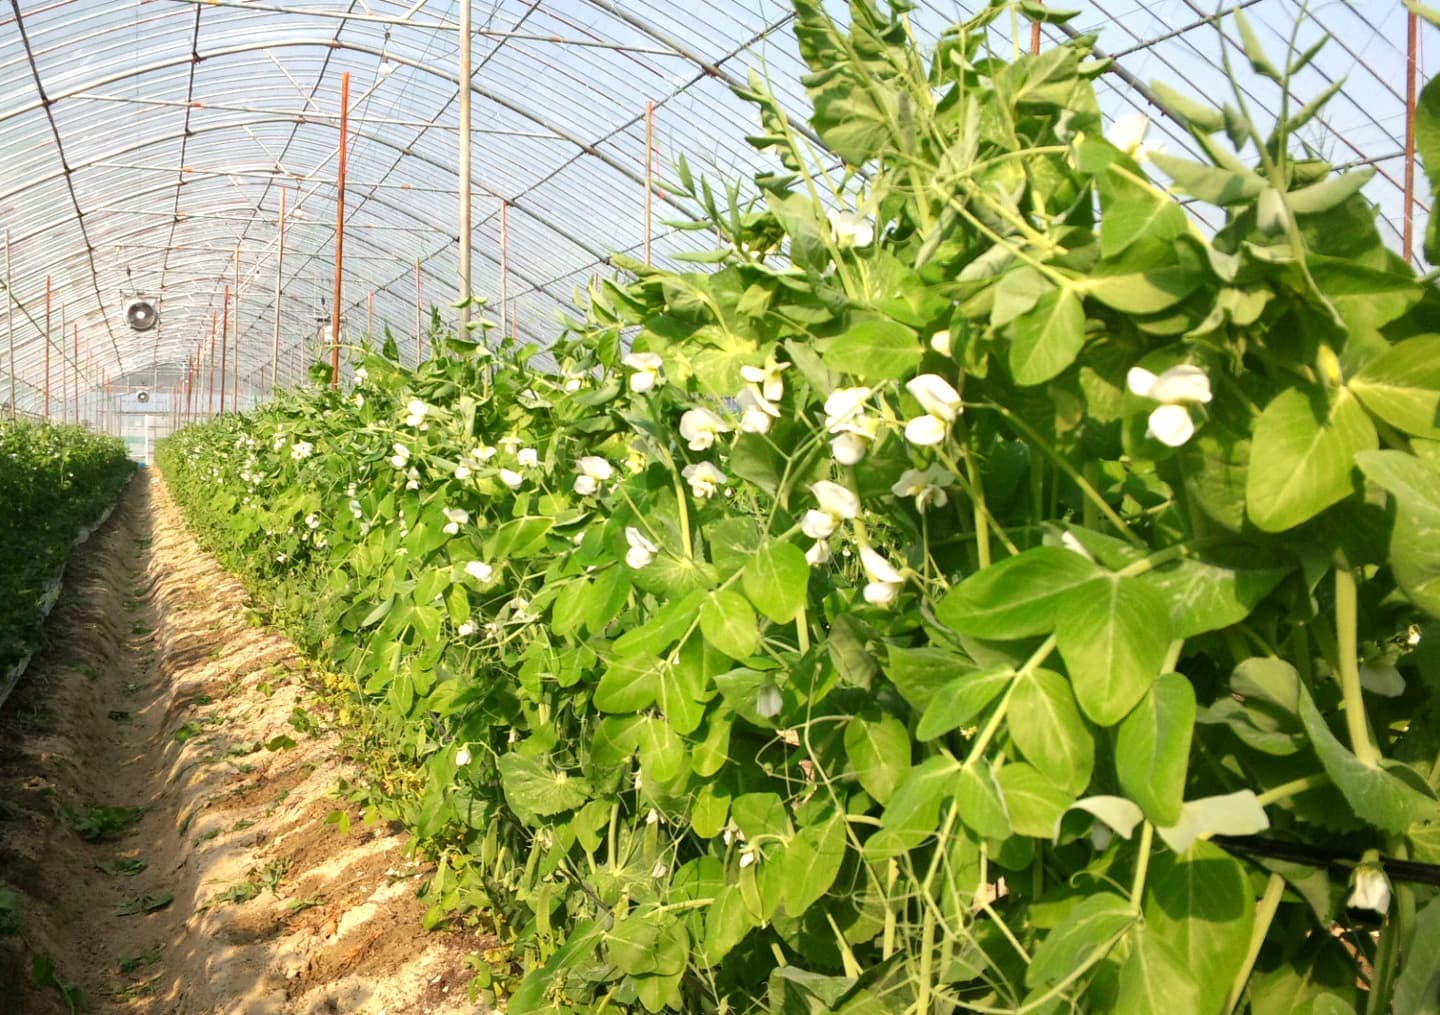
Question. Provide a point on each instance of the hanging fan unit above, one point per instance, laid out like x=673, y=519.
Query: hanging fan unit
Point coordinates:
x=141, y=314
x=142, y=397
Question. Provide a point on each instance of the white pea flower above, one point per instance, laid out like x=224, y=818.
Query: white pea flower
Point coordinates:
x=572, y=385
x=936, y=396
x=927, y=486
x=454, y=518
x=756, y=413
x=1128, y=134
x=1370, y=889
x=1170, y=423
x=301, y=449
x=850, y=229
x=401, y=458
x=940, y=342
x=700, y=427
x=641, y=551
x=768, y=702
x=359, y=400
x=356, y=509
x=462, y=471
x=645, y=367
x=767, y=379
x=281, y=558
x=510, y=442
x=416, y=411
x=479, y=570
x=844, y=408
x=748, y=856
x=312, y=522
x=528, y=458
x=594, y=470
x=942, y=405
x=465, y=630
x=849, y=448
x=836, y=505
x=511, y=478
x=885, y=579
x=483, y=453
x=361, y=375
x=819, y=553
x=462, y=757
x=704, y=479
x=653, y=818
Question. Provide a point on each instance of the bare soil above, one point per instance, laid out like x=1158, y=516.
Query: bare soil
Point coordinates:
x=155, y=692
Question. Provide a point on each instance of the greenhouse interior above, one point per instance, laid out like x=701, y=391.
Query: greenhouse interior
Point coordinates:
x=786, y=507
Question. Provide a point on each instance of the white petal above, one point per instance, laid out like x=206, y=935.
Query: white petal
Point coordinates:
x=642, y=381
x=1128, y=132
x=817, y=524
x=1171, y=425
x=1140, y=381
x=637, y=540
x=586, y=486
x=836, y=500
x=878, y=568
x=935, y=395
x=1371, y=890
x=1182, y=383
x=768, y=701
x=843, y=404
x=881, y=593
x=849, y=448
x=925, y=431
x=819, y=553
x=638, y=557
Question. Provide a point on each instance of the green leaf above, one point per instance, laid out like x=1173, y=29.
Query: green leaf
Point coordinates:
x=1209, y=183
x=1131, y=211
x=662, y=754
x=1254, y=52
x=1308, y=447
x=1118, y=814
x=879, y=753
x=1048, y=337
x=1017, y=292
x=629, y=684
x=520, y=536
x=876, y=350
x=1112, y=633
x=1200, y=906
x=811, y=862
x=1328, y=193
x=1427, y=143
x=1048, y=729
x=1384, y=800
x=1402, y=386
x=1092, y=927
x=1152, y=748
x=728, y=623
x=1417, y=990
x=1415, y=537
x=1033, y=800
x=536, y=790
x=960, y=700
x=727, y=921
x=776, y=579
x=1155, y=979
x=1232, y=814
x=979, y=803
x=1152, y=275
x=1016, y=598
x=914, y=809
x=1202, y=117
x=1205, y=596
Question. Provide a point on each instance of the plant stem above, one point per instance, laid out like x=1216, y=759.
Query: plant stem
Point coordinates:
x=1292, y=788
x=1347, y=662
x=1142, y=865
x=992, y=726
x=1264, y=914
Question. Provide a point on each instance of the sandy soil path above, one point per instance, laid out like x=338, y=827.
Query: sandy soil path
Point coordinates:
x=156, y=854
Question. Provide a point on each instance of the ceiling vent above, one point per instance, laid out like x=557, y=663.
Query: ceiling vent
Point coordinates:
x=141, y=314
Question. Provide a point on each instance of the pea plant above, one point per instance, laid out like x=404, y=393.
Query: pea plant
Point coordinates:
x=975, y=586
x=54, y=479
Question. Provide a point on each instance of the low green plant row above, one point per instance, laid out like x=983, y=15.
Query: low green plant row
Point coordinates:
x=974, y=587
x=54, y=481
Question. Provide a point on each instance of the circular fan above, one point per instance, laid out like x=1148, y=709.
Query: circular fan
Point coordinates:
x=142, y=396
x=141, y=315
